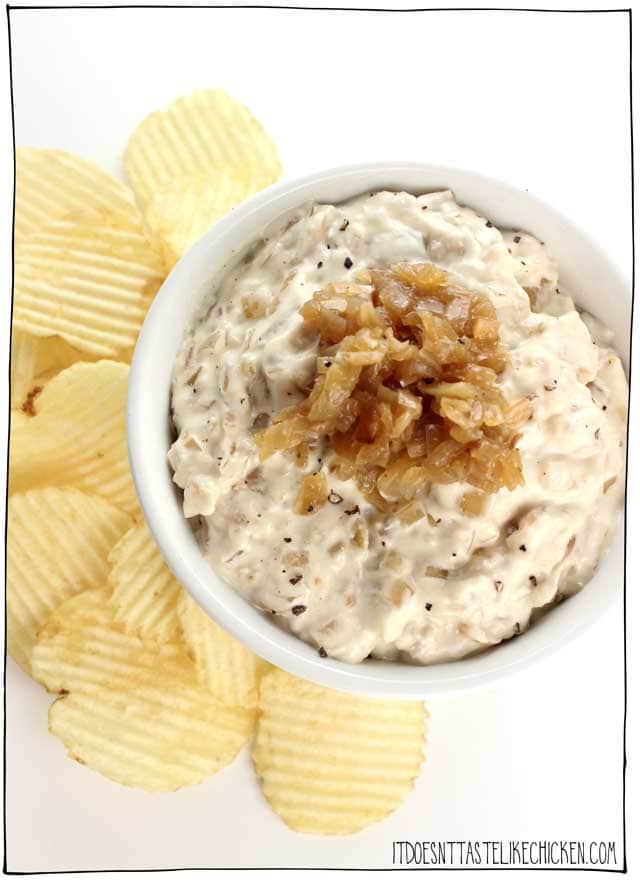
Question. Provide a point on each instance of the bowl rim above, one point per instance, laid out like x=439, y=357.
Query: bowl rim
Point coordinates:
x=371, y=678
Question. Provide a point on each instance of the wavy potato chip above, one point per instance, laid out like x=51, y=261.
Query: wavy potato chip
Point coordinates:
x=144, y=593
x=330, y=763
x=132, y=709
x=88, y=280
x=183, y=210
x=18, y=431
x=159, y=740
x=226, y=667
x=203, y=131
x=17, y=420
x=81, y=647
x=77, y=436
x=34, y=360
x=57, y=545
x=52, y=183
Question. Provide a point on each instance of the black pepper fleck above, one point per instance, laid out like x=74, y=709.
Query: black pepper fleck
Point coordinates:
x=498, y=586
x=489, y=224
x=327, y=363
x=516, y=628
x=298, y=610
x=344, y=226
x=295, y=579
x=322, y=652
x=309, y=509
x=604, y=406
x=287, y=539
x=516, y=239
x=334, y=498
x=354, y=510
x=428, y=606
x=348, y=263
x=597, y=434
x=523, y=547
x=533, y=580
x=320, y=265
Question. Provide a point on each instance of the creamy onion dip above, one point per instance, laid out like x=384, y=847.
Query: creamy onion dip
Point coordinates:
x=331, y=578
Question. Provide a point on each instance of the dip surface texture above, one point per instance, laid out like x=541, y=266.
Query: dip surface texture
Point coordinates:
x=349, y=579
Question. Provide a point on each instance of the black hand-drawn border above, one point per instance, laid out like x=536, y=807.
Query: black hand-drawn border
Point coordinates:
x=626, y=10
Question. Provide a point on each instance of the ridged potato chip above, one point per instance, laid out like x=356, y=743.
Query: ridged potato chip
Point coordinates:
x=57, y=545
x=131, y=709
x=52, y=183
x=17, y=420
x=159, y=739
x=226, y=667
x=144, y=593
x=77, y=436
x=182, y=211
x=81, y=647
x=330, y=763
x=34, y=360
x=88, y=280
x=203, y=131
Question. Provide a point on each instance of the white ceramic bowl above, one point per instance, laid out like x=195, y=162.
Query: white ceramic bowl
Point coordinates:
x=585, y=271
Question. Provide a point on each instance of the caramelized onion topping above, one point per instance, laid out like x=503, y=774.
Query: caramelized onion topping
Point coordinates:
x=405, y=391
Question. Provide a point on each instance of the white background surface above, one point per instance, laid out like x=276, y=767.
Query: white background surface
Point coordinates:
x=539, y=100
